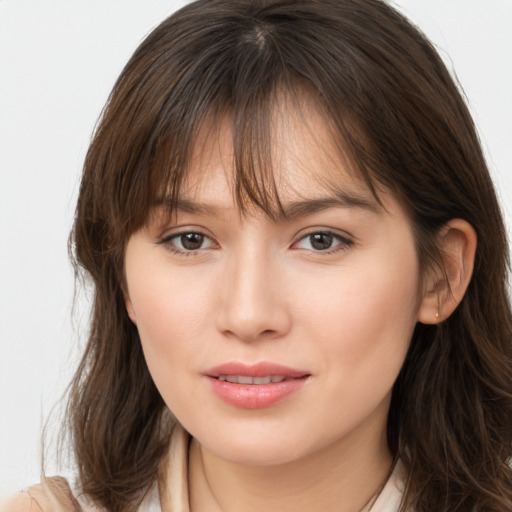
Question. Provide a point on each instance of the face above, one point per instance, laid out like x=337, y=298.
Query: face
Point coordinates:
x=274, y=340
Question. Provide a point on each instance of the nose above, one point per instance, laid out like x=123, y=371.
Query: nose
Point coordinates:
x=253, y=302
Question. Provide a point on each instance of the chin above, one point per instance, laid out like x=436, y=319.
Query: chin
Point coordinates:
x=247, y=447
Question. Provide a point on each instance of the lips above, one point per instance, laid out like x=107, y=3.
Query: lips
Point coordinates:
x=255, y=386
x=262, y=369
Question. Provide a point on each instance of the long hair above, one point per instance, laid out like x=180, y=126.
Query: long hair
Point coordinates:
x=401, y=122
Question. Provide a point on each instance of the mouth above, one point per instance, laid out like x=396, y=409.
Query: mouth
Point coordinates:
x=255, y=386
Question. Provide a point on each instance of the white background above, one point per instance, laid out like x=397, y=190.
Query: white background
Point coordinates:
x=58, y=62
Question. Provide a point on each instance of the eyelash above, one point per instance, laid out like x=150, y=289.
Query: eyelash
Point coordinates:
x=343, y=242
x=168, y=243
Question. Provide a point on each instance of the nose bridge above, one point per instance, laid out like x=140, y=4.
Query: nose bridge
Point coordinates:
x=252, y=305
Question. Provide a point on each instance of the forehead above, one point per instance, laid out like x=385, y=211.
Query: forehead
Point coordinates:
x=294, y=155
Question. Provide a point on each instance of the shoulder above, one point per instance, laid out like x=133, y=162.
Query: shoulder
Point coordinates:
x=53, y=495
x=56, y=495
x=22, y=502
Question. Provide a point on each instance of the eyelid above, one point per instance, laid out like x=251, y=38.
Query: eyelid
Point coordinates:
x=182, y=229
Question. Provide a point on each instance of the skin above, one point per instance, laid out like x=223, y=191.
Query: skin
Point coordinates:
x=260, y=290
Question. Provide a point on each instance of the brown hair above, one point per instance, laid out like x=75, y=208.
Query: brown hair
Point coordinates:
x=401, y=121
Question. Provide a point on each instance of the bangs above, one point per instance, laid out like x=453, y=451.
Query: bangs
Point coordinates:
x=254, y=134
x=250, y=159
x=181, y=80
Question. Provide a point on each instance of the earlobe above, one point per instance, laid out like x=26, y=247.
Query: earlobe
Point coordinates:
x=447, y=285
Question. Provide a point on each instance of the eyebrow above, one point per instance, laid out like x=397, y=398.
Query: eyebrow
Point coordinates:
x=298, y=209
x=291, y=211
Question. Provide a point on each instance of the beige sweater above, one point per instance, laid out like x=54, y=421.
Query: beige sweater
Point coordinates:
x=170, y=494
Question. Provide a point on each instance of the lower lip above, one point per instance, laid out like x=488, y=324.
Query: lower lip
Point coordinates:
x=255, y=396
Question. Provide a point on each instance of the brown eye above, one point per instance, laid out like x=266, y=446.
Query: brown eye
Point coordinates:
x=192, y=241
x=321, y=241
x=188, y=243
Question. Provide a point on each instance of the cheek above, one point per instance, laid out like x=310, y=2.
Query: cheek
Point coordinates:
x=169, y=335
x=382, y=308
x=364, y=315
x=170, y=314
x=171, y=311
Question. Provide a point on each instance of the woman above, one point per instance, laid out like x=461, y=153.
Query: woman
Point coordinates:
x=300, y=275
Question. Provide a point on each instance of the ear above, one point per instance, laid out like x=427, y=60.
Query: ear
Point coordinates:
x=446, y=286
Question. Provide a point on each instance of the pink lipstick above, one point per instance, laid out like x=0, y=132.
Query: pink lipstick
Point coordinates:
x=254, y=386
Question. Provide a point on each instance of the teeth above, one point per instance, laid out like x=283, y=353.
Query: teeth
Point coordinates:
x=245, y=379
x=262, y=380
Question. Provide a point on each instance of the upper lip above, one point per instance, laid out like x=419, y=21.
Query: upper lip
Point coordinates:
x=262, y=369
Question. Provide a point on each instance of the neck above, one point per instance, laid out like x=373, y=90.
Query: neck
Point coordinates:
x=342, y=477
